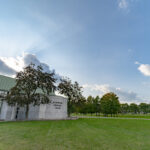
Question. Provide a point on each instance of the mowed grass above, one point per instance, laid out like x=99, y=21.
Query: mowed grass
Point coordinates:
x=81, y=134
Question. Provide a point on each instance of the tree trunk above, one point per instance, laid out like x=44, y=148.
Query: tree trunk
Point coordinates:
x=17, y=111
x=27, y=111
x=69, y=108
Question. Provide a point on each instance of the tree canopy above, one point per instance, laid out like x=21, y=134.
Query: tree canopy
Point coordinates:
x=110, y=104
x=33, y=86
x=72, y=91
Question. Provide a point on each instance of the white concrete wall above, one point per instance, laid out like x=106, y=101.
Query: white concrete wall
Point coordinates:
x=7, y=112
x=3, y=112
x=33, y=113
x=56, y=109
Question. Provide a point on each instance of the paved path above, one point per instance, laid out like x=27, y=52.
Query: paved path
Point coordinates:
x=112, y=118
x=92, y=117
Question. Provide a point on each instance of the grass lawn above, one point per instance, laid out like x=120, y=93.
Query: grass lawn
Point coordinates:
x=82, y=134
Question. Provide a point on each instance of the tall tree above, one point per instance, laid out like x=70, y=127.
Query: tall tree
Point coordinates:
x=89, y=104
x=124, y=108
x=143, y=108
x=82, y=105
x=96, y=103
x=33, y=86
x=72, y=91
x=134, y=108
x=110, y=104
x=93, y=105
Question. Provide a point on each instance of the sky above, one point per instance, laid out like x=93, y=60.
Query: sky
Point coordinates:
x=102, y=44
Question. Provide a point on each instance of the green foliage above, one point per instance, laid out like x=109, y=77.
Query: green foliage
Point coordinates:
x=90, y=106
x=124, y=108
x=96, y=103
x=134, y=108
x=110, y=104
x=144, y=108
x=33, y=86
x=72, y=91
x=93, y=105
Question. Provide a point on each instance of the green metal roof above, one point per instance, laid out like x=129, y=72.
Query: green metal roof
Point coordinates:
x=6, y=83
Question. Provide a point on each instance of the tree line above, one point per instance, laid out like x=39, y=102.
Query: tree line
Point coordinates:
x=108, y=104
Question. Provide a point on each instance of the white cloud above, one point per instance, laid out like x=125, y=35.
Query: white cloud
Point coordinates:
x=6, y=70
x=144, y=69
x=137, y=63
x=123, y=4
x=10, y=65
x=124, y=96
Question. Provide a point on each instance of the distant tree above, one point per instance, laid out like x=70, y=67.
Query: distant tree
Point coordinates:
x=72, y=91
x=144, y=108
x=93, y=104
x=80, y=104
x=124, y=108
x=110, y=104
x=148, y=108
x=134, y=108
x=96, y=104
x=89, y=105
x=28, y=82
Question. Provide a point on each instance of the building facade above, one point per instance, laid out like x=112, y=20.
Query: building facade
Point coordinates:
x=56, y=109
